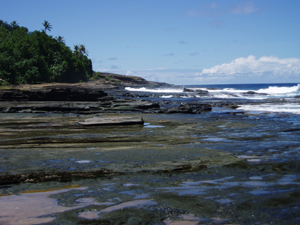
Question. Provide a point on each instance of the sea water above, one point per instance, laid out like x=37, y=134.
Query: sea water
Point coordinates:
x=277, y=98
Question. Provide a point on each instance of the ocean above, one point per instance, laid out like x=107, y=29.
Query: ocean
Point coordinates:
x=261, y=98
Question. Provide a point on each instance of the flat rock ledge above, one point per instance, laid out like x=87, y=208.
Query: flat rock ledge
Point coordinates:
x=112, y=121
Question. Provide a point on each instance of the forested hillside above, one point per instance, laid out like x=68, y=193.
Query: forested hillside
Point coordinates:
x=36, y=57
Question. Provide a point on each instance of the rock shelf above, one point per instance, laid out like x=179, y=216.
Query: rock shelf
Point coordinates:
x=120, y=158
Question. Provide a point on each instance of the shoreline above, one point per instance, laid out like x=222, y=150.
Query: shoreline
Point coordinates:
x=189, y=165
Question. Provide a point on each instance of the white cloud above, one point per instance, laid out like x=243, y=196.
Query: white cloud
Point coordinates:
x=264, y=69
x=267, y=69
x=245, y=8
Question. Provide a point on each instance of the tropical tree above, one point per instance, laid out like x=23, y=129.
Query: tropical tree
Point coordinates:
x=14, y=25
x=76, y=51
x=47, y=26
x=61, y=39
x=83, y=50
x=35, y=57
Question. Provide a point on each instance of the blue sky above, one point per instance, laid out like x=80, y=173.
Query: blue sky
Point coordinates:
x=176, y=41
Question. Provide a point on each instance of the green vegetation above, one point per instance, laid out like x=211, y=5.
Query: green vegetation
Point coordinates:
x=35, y=57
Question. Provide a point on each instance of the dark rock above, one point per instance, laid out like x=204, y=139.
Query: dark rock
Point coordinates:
x=133, y=105
x=53, y=94
x=184, y=108
x=198, y=91
x=202, y=92
x=188, y=90
x=254, y=93
x=198, y=108
x=190, y=108
x=292, y=129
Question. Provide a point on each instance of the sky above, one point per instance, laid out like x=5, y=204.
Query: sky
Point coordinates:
x=183, y=42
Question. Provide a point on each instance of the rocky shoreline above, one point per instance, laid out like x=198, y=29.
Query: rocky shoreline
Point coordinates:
x=110, y=156
x=87, y=98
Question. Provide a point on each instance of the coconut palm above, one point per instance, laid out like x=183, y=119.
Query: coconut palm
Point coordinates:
x=83, y=50
x=80, y=50
x=76, y=50
x=14, y=25
x=61, y=39
x=47, y=26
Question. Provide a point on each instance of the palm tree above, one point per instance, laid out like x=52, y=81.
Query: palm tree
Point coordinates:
x=76, y=50
x=61, y=39
x=83, y=50
x=79, y=51
x=14, y=25
x=47, y=26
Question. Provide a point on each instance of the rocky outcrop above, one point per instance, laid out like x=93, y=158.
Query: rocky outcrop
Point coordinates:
x=64, y=93
x=121, y=81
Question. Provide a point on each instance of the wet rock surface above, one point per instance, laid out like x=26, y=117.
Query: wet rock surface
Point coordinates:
x=128, y=158
x=209, y=168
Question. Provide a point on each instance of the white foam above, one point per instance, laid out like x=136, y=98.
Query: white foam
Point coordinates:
x=166, y=90
x=271, y=92
x=283, y=108
x=166, y=96
x=280, y=91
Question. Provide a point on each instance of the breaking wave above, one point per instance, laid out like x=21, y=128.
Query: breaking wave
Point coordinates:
x=158, y=90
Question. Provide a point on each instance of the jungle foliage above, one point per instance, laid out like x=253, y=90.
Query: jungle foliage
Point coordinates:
x=36, y=57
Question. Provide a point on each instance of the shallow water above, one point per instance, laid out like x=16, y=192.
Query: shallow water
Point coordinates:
x=251, y=167
x=33, y=208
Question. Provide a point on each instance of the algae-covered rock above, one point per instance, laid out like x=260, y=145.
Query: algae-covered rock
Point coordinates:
x=106, y=121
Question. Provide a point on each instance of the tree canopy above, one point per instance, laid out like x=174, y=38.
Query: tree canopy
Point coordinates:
x=35, y=57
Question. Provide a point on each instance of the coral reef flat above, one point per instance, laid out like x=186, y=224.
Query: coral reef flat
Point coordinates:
x=111, y=156
x=199, y=168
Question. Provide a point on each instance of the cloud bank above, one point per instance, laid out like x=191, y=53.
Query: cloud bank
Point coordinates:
x=265, y=69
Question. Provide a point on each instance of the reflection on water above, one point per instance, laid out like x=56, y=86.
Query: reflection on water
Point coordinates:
x=190, y=219
x=136, y=203
x=26, y=208
x=147, y=125
x=255, y=182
